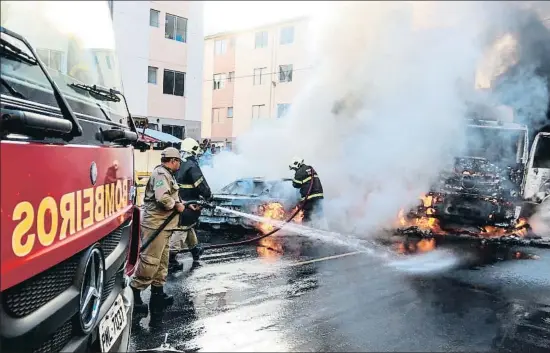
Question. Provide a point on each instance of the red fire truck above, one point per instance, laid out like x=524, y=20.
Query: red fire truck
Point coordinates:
x=69, y=227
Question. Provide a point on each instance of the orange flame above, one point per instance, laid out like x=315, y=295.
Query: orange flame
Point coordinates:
x=272, y=210
x=269, y=248
x=276, y=211
x=422, y=223
x=424, y=245
x=520, y=230
x=432, y=225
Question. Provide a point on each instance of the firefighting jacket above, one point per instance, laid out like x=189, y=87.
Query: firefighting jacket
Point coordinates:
x=161, y=195
x=191, y=181
x=304, y=176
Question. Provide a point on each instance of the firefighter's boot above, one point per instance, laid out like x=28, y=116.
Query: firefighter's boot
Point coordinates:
x=139, y=306
x=196, y=252
x=160, y=300
x=173, y=264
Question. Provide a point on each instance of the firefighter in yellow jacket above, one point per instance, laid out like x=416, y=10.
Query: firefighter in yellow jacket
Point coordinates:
x=161, y=199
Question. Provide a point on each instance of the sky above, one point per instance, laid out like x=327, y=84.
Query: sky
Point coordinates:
x=222, y=16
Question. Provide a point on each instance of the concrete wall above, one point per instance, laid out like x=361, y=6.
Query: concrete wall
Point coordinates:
x=166, y=54
x=142, y=45
x=195, y=62
x=243, y=58
x=131, y=24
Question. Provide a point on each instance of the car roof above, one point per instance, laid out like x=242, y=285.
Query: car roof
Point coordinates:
x=262, y=179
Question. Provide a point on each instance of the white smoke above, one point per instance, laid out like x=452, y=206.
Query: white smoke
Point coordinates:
x=398, y=74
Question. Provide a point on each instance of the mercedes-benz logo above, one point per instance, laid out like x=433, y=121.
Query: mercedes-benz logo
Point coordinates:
x=91, y=290
x=93, y=173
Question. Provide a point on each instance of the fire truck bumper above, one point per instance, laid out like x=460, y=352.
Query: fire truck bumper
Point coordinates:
x=92, y=342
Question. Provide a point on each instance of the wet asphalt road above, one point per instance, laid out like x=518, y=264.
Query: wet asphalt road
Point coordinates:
x=288, y=296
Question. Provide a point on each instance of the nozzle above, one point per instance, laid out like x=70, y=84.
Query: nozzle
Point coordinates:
x=201, y=203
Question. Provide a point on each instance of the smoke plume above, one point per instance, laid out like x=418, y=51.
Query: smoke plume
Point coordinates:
x=385, y=107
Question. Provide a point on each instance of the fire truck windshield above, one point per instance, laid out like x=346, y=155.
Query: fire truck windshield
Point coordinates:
x=75, y=41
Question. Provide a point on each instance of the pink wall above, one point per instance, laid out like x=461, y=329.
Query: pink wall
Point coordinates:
x=223, y=98
x=166, y=54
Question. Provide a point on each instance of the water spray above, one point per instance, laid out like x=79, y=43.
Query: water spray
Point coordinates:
x=205, y=204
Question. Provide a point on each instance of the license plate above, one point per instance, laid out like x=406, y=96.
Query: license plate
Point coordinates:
x=112, y=325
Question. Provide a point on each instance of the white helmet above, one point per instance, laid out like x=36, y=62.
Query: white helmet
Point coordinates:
x=191, y=147
x=297, y=162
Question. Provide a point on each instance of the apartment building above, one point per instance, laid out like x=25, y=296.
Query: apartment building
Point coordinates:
x=252, y=75
x=160, y=46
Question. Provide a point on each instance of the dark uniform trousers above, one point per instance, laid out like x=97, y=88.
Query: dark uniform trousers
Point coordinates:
x=192, y=186
x=307, y=180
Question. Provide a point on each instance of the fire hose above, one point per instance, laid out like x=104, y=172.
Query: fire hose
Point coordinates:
x=205, y=204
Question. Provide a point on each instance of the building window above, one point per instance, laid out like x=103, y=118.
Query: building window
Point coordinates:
x=220, y=47
x=108, y=61
x=216, y=115
x=230, y=112
x=174, y=130
x=285, y=73
x=231, y=76
x=232, y=42
x=176, y=28
x=282, y=109
x=174, y=83
x=152, y=75
x=287, y=35
x=257, y=111
x=51, y=58
x=257, y=80
x=261, y=40
x=154, y=16
x=219, y=81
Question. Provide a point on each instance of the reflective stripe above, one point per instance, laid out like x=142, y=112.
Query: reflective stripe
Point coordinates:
x=192, y=186
x=197, y=183
x=312, y=196
x=305, y=180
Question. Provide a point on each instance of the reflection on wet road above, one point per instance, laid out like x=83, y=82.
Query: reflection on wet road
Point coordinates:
x=289, y=294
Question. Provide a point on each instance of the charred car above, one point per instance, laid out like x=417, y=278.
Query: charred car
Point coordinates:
x=249, y=195
x=497, y=181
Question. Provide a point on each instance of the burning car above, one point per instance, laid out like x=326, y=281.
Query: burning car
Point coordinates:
x=274, y=199
x=492, y=189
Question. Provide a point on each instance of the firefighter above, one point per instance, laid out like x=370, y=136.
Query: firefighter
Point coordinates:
x=161, y=199
x=193, y=186
x=304, y=176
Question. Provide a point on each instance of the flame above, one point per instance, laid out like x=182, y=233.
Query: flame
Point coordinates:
x=422, y=223
x=276, y=211
x=407, y=247
x=520, y=230
x=431, y=224
x=426, y=245
x=272, y=210
x=270, y=248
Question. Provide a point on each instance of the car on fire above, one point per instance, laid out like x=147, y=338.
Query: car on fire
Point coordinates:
x=248, y=195
x=498, y=182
